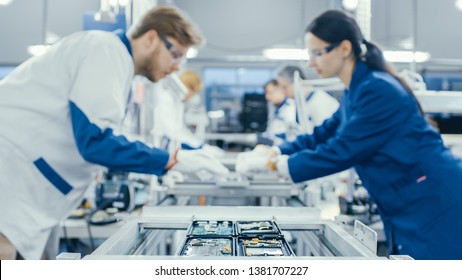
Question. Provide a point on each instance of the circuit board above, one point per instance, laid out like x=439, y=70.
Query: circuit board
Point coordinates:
x=255, y=228
x=266, y=247
x=208, y=247
x=212, y=228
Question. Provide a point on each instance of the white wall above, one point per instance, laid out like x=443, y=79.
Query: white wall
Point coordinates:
x=21, y=24
x=438, y=25
x=245, y=27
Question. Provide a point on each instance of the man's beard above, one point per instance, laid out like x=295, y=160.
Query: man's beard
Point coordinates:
x=147, y=68
x=146, y=71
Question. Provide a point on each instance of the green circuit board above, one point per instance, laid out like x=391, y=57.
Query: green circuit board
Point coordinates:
x=212, y=228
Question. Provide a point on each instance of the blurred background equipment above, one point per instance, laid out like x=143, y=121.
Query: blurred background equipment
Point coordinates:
x=115, y=191
x=254, y=115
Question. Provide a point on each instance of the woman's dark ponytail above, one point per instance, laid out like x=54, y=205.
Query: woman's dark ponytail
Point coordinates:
x=374, y=58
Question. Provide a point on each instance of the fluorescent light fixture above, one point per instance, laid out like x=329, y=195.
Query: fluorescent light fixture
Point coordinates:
x=286, y=54
x=5, y=2
x=406, y=56
x=392, y=56
x=458, y=4
x=192, y=52
x=216, y=114
x=350, y=4
x=37, y=50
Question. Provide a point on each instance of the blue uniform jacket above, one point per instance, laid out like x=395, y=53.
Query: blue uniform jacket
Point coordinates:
x=415, y=181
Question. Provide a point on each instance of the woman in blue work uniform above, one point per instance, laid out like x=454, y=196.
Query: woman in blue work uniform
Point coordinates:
x=379, y=130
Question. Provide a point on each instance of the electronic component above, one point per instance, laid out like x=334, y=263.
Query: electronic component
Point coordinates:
x=264, y=247
x=257, y=228
x=208, y=247
x=211, y=228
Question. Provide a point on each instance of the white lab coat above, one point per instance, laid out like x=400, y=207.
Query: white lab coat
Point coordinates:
x=195, y=117
x=283, y=119
x=58, y=115
x=170, y=131
x=319, y=106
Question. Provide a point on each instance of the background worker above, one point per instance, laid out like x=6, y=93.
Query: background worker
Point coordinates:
x=318, y=104
x=282, y=113
x=171, y=127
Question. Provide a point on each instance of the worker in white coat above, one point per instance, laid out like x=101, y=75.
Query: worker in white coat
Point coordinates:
x=58, y=118
x=170, y=131
x=319, y=104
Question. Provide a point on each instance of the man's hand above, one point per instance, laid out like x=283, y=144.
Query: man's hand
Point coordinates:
x=254, y=161
x=193, y=161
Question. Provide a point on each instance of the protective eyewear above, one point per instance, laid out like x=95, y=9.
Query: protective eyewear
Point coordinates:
x=169, y=46
x=320, y=52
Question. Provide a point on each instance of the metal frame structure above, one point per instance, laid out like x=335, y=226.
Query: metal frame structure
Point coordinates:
x=316, y=239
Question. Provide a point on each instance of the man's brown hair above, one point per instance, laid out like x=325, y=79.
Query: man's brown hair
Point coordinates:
x=171, y=22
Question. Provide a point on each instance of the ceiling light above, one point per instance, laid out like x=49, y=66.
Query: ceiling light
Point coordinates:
x=37, y=50
x=350, y=5
x=192, y=52
x=406, y=56
x=458, y=4
x=5, y=2
x=286, y=54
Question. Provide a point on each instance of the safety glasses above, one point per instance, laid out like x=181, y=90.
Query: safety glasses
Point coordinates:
x=169, y=46
x=320, y=52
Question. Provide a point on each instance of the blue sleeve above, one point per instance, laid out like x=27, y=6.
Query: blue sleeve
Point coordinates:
x=309, y=141
x=375, y=117
x=281, y=135
x=186, y=146
x=114, y=151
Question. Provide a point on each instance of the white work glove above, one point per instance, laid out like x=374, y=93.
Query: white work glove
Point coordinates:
x=270, y=150
x=262, y=161
x=214, y=151
x=261, y=150
x=252, y=162
x=193, y=161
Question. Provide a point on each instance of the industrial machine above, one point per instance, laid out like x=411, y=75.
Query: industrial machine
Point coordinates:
x=117, y=192
x=235, y=190
x=195, y=232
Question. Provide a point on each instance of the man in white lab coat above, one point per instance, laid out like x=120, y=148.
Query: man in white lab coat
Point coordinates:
x=319, y=104
x=58, y=119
